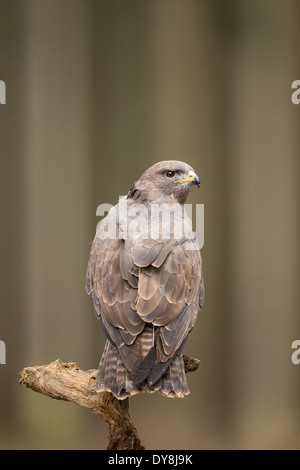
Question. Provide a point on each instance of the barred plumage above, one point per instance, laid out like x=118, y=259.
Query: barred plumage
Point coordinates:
x=147, y=290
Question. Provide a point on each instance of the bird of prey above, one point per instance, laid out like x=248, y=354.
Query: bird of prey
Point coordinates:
x=145, y=277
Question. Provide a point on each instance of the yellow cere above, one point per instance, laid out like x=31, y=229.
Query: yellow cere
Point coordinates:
x=191, y=176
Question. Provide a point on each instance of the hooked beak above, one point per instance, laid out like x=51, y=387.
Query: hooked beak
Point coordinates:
x=192, y=178
x=195, y=179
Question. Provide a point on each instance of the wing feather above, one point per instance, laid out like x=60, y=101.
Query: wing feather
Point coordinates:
x=147, y=294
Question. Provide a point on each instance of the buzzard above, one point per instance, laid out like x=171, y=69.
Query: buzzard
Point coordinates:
x=145, y=278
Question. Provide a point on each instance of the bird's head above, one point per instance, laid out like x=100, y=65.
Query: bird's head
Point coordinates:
x=171, y=178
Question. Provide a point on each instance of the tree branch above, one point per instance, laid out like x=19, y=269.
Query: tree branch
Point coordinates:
x=65, y=381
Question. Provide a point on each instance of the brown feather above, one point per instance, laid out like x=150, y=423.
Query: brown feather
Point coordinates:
x=146, y=291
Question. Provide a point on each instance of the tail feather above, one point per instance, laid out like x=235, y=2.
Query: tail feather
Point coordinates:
x=178, y=378
x=113, y=376
x=173, y=382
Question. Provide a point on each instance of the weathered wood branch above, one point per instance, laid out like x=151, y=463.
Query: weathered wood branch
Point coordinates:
x=65, y=381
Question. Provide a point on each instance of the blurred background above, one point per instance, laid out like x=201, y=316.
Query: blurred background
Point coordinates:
x=96, y=92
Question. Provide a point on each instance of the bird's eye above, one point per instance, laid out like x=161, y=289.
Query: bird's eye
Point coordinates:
x=170, y=174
